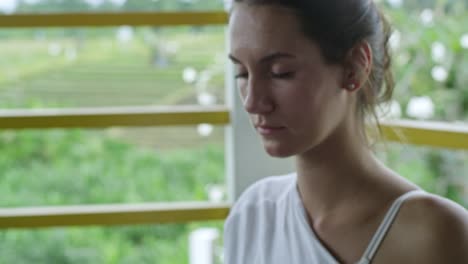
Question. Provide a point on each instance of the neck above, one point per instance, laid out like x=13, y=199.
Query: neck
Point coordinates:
x=333, y=175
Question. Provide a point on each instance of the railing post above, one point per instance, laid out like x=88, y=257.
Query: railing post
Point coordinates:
x=203, y=246
x=246, y=159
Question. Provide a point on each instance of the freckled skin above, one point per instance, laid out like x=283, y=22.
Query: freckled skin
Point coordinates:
x=311, y=104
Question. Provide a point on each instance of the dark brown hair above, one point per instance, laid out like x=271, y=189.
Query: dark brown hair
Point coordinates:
x=337, y=26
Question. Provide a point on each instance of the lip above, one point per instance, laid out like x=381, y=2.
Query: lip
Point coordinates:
x=270, y=130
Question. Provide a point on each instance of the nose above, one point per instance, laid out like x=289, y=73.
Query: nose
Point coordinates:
x=257, y=99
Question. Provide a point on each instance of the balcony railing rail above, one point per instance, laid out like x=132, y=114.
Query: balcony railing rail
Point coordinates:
x=116, y=214
x=116, y=116
x=113, y=19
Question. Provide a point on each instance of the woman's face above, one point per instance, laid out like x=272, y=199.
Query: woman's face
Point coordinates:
x=293, y=97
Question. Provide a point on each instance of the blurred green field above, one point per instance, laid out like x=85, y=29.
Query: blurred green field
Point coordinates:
x=98, y=71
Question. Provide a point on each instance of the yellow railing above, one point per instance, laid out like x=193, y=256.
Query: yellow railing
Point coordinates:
x=113, y=19
x=116, y=116
x=105, y=215
x=433, y=134
x=427, y=133
x=416, y=133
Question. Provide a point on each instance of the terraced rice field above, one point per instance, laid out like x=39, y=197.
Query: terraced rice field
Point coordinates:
x=100, y=71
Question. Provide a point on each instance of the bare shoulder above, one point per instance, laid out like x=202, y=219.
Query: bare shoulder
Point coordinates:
x=439, y=228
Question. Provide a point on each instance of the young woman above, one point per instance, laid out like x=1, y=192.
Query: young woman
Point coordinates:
x=309, y=73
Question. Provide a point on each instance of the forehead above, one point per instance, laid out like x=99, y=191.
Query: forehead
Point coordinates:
x=265, y=28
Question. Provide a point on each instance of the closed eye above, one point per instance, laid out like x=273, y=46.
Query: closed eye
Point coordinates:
x=241, y=75
x=283, y=75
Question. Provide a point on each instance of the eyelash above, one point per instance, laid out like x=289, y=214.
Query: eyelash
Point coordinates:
x=285, y=75
x=241, y=76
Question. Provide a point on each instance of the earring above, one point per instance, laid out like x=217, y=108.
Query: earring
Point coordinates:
x=353, y=86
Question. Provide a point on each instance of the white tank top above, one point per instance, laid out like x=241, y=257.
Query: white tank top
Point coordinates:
x=268, y=225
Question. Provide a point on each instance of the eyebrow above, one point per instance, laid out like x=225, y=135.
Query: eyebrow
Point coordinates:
x=268, y=58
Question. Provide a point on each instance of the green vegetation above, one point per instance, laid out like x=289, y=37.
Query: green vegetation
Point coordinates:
x=100, y=71
x=76, y=167
x=61, y=167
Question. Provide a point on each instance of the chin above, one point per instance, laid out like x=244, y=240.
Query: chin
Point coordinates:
x=278, y=151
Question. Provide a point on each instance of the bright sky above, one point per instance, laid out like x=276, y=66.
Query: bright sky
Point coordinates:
x=8, y=6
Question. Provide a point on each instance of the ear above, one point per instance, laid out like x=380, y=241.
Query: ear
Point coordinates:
x=358, y=65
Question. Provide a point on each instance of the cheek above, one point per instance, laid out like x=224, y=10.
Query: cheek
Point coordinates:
x=301, y=98
x=317, y=91
x=307, y=104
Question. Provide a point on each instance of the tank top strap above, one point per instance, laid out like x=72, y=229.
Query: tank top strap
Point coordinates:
x=385, y=226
